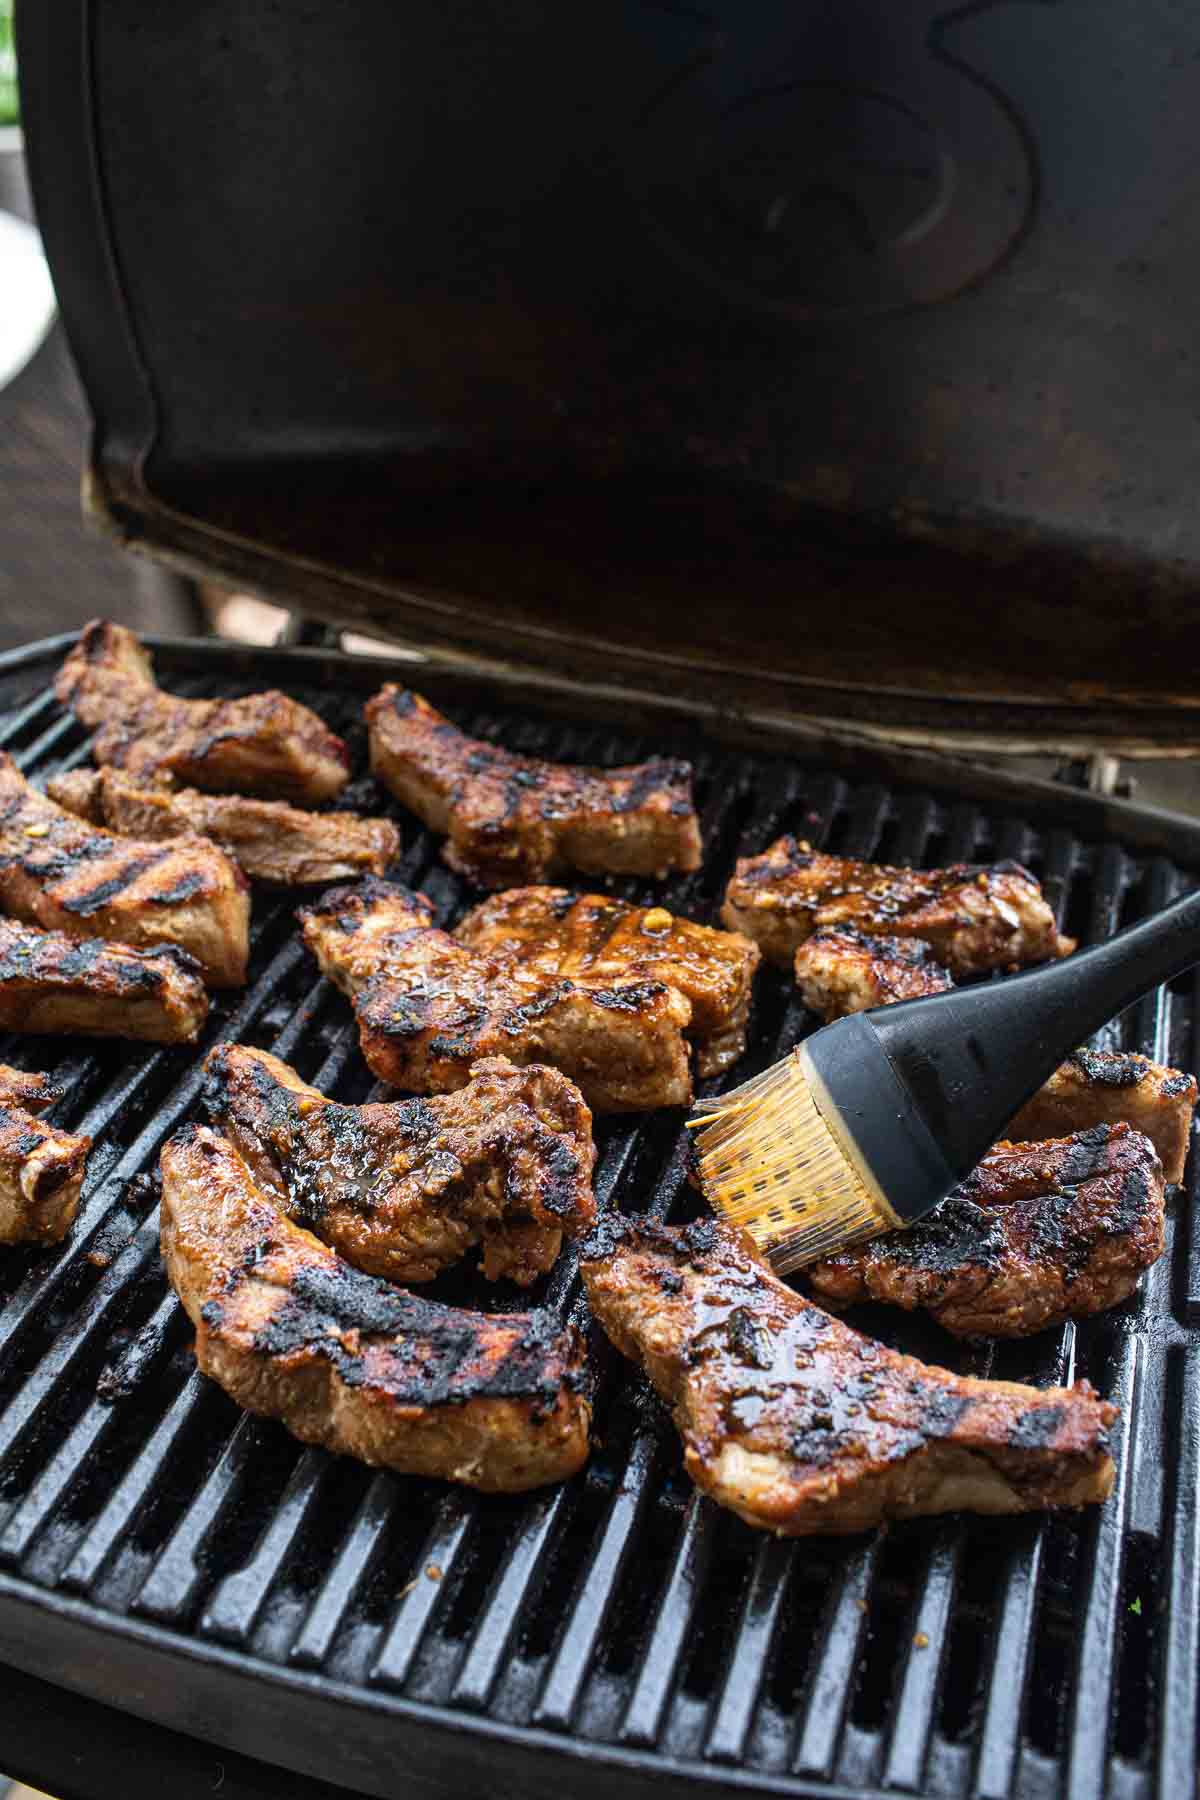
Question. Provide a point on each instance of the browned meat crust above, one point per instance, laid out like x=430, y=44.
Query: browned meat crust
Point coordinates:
x=405, y=1190
x=41, y=1167
x=1036, y=1235
x=268, y=839
x=65, y=875
x=973, y=919
x=518, y=819
x=841, y=970
x=799, y=1424
x=262, y=744
x=1103, y=1087
x=349, y=1362
x=51, y=983
x=607, y=992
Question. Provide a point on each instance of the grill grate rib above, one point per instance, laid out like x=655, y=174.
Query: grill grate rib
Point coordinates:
x=621, y=1611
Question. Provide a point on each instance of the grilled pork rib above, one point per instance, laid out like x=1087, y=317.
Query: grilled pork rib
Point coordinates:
x=41, y=1167
x=269, y=840
x=840, y=970
x=349, y=1362
x=262, y=744
x=609, y=993
x=404, y=1190
x=1035, y=1235
x=515, y=818
x=800, y=1425
x=1104, y=1087
x=51, y=983
x=65, y=875
x=973, y=919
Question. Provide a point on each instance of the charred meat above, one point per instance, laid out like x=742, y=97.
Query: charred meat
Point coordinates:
x=1036, y=1234
x=610, y=993
x=515, y=818
x=1103, y=1087
x=973, y=919
x=51, y=983
x=405, y=1190
x=840, y=970
x=800, y=1425
x=269, y=840
x=41, y=1167
x=261, y=744
x=350, y=1362
x=58, y=872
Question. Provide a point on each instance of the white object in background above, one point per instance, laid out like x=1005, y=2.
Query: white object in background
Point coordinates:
x=26, y=295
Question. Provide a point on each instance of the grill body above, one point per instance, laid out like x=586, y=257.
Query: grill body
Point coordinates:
x=167, y=1555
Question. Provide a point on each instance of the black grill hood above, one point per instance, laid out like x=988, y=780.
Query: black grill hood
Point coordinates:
x=835, y=358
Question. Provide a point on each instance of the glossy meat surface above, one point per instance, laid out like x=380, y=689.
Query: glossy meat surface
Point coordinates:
x=269, y=840
x=41, y=1167
x=63, y=874
x=612, y=994
x=260, y=744
x=973, y=919
x=350, y=1362
x=51, y=984
x=405, y=1189
x=841, y=970
x=512, y=819
x=1037, y=1234
x=798, y=1423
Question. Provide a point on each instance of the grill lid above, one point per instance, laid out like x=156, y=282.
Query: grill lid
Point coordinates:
x=838, y=363
x=168, y=1555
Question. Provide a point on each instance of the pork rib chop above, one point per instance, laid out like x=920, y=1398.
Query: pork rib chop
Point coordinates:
x=974, y=919
x=1104, y=1087
x=1035, y=1235
x=41, y=1167
x=58, y=872
x=513, y=819
x=51, y=983
x=269, y=840
x=405, y=1190
x=799, y=1424
x=841, y=970
x=350, y=1362
x=261, y=744
x=611, y=994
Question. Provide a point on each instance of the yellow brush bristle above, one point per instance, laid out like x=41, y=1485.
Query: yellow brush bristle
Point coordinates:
x=769, y=1163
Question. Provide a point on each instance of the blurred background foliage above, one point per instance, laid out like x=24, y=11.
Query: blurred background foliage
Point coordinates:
x=8, y=66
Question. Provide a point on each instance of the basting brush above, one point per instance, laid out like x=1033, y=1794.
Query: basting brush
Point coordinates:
x=868, y=1124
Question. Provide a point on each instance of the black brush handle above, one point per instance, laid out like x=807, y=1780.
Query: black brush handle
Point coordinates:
x=970, y=1058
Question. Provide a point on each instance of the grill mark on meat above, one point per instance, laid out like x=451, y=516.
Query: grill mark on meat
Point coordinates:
x=83, y=905
x=1107, y=1068
x=1086, y=1158
x=1036, y=1428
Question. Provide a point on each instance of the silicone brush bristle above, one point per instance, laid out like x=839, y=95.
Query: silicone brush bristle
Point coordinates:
x=769, y=1162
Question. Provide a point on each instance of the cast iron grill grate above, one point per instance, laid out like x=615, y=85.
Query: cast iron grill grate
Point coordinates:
x=620, y=1612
